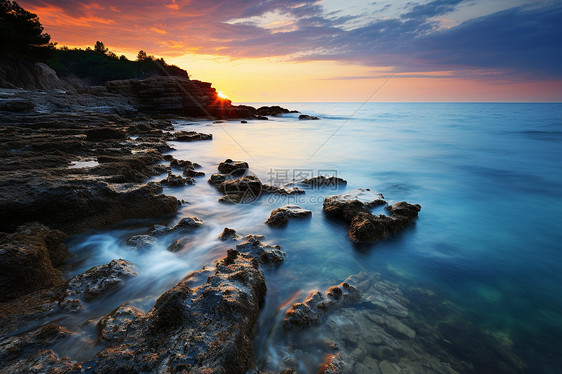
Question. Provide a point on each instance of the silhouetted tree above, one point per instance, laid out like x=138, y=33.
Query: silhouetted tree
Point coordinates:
x=21, y=33
x=141, y=56
x=100, y=48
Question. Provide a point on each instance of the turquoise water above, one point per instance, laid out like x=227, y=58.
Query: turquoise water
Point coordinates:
x=488, y=238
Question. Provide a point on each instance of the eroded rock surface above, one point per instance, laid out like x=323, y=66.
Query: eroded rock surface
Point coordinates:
x=280, y=216
x=29, y=259
x=205, y=329
x=379, y=330
x=355, y=207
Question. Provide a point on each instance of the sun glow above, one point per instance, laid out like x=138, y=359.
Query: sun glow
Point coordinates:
x=221, y=95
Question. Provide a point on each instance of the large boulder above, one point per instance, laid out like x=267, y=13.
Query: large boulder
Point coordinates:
x=233, y=167
x=207, y=329
x=29, y=258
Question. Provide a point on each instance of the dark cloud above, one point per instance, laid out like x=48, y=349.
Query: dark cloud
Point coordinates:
x=431, y=9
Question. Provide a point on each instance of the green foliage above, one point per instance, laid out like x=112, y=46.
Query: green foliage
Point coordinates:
x=21, y=33
x=100, y=65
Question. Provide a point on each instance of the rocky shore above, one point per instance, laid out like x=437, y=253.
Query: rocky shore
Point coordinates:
x=81, y=159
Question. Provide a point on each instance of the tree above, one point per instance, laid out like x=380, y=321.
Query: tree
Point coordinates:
x=100, y=48
x=141, y=56
x=21, y=33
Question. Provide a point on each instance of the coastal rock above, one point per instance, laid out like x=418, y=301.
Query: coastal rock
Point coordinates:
x=191, y=136
x=191, y=173
x=28, y=260
x=282, y=190
x=316, y=305
x=178, y=334
x=347, y=206
x=104, y=133
x=28, y=352
x=188, y=223
x=242, y=190
x=217, y=179
x=99, y=280
x=228, y=234
x=274, y=111
x=15, y=105
x=235, y=168
x=366, y=227
x=323, y=181
x=111, y=329
x=304, y=117
x=176, y=181
x=141, y=241
x=334, y=364
x=264, y=253
x=280, y=216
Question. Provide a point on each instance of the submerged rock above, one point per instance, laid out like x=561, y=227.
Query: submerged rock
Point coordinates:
x=141, y=241
x=314, y=308
x=28, y=260
x=280, y=216
x=205, y=329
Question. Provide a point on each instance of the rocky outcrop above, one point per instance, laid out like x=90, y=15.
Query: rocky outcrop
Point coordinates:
x=30, y=76
x=280, y=216
x=379, y=330
x=70, y=297
x=228, y=234
x=313, y=309
x=205, y=329
x=355, y=207
x=176, y=181
x=190, y=136
x=264, y=253
x=323, y=181
x=274, y=111
x=366, y=227
x=177, y=95
x=36, y=183
x=305, y=117
x=235, y=168
x=347, y=206
x=30, y=352
x=245, y=189
x=29, y=259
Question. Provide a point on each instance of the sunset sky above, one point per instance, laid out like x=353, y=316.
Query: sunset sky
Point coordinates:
x=333, y=50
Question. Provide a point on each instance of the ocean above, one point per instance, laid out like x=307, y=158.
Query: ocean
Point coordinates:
x=487, y=243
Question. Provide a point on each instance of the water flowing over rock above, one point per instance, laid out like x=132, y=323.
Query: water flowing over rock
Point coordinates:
x=264, y=253
x=347, y=206
x=205, y=329
x=305, y=117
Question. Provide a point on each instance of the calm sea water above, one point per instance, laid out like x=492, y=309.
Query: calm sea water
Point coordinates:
x=488, y=239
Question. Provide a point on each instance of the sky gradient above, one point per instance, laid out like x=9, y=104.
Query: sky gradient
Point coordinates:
x=334, y=50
